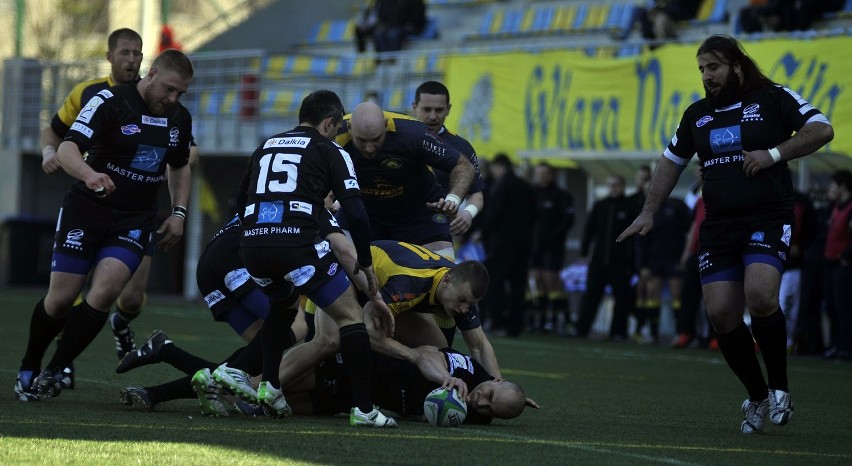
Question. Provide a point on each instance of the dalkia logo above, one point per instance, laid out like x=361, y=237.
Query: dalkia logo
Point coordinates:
x=703, y=121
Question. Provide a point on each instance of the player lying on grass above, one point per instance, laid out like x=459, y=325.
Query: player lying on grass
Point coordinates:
x=398, y=386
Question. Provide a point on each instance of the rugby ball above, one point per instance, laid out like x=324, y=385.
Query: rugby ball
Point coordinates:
x=444, y=408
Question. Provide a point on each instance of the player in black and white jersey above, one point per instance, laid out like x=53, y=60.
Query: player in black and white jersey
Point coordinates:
x=743, y=134
x=283, y=190
x=133, y=134
x=401, y=386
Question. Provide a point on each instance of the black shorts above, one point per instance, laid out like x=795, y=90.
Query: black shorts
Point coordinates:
x=551, y=258
x=423, y=227
x=728, y=246
x=222, y=278
x=310, y=268
x=85, y=228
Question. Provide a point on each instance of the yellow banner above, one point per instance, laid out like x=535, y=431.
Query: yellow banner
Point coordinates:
x=565, y=100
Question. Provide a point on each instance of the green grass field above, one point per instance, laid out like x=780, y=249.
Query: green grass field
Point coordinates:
x=602, y=403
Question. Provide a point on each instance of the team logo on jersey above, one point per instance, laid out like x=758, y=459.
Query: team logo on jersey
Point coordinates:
x=351, y=183
x=130, y=130
x=727, y=139
x=440, y=218
x=786, y=234
x=287, y=142
x=752, y=113
x=391, y=164
x=236, y=278
x=332, y=270
x=148, y=158
x=174, y=135
x=782, y=255
x=270, y=212
x=134, y=234
x=86, y=113
x=301, y=275
x=155, y=121
x=703, y=121
x=757, y=236
x=83, y=129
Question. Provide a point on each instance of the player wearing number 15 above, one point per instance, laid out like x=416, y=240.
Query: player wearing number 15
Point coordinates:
x=281, y=199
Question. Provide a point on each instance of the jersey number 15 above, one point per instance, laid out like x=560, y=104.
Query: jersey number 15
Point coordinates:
x=282, y=166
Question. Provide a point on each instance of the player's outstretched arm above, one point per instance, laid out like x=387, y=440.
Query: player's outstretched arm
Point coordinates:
x=482, y=351
x=433, y=366
x=661, y=185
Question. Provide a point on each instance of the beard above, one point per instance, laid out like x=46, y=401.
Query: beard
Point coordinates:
x=727, y=94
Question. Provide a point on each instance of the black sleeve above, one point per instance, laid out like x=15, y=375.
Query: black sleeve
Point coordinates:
x=359, y=227
x=242, y=195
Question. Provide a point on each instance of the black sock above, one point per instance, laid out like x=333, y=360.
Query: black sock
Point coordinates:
x=174, y=390
x=771, y=335
x=276, y=336
x=82, y=327
x=248, y=358
x=183, y=361
x=355, y=349
x=43, y=329
x=738, y=349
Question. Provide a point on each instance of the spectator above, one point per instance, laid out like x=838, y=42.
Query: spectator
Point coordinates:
x=664, y=13
x=838, y=254
x=804, y=230
x=555, y=218
x=785, y=15
x=389, y=22
x=507, y=227
x=659, y=256
x=609, y=262
x=809, y=324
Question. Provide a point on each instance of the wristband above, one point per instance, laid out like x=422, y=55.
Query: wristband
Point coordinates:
x=452, y=197
x=48, y=150
x=775, y=154
x=179, y=211
x=472, y=209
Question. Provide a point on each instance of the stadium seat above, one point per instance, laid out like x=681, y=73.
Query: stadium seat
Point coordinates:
x=332, y=32
x=711, y=12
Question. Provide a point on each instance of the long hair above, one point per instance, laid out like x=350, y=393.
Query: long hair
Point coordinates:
x=731, y=52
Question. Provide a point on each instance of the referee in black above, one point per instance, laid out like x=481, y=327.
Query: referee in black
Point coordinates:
x=742, y=132
x=133, y=133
